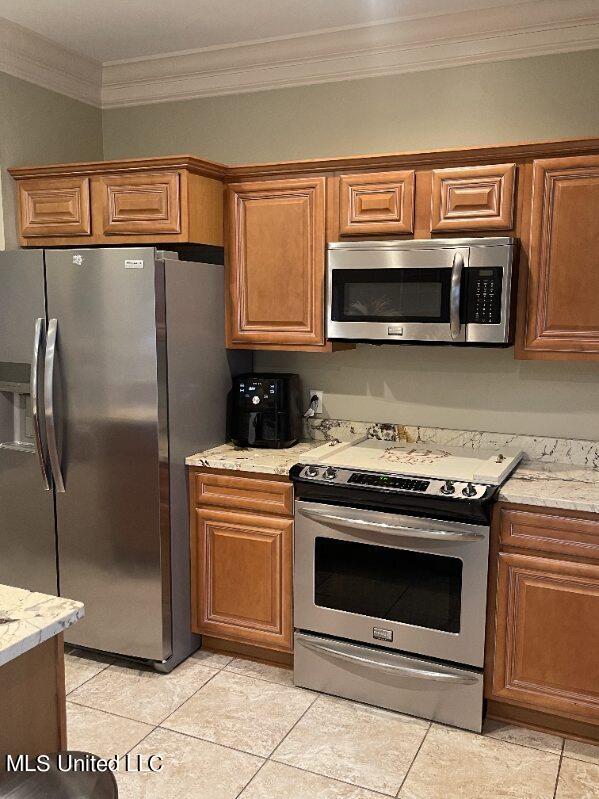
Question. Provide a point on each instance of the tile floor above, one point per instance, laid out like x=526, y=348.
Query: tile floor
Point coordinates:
x=229, y=728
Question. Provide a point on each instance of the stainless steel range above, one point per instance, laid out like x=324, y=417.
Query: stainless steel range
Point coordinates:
x=390, y=574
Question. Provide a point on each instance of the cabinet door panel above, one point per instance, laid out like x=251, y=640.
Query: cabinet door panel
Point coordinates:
x=242, y=578
x=549, y=532
x=563, y=285
x=244, y=493
x=547, y=636
x=55, y=207
x=276, y=262
x=380, y=202
x=144, y=203
x=473, y=198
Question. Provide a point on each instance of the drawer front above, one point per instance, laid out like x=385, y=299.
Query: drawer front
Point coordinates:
x=244, y=493
x=549, y=533
x=55, y=207
x=145, y=203
x=382, y=202
x=473, y=198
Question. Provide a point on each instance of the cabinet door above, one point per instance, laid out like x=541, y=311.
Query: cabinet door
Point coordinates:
x=142, y=203
x=547, y=636
x=563, y=284
x=54, y=207
x=473, y=198
x=242, y=578
x=382, y=202
x=276, y=262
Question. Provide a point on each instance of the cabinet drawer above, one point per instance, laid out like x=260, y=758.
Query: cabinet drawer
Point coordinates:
x=381, y=202
x=144, y=203
x=549, y=533
x=244, y=493
x=55, y=207
x=473, y=198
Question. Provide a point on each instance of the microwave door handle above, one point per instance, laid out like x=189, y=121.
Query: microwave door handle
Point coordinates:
x=49, y=405
x=455, y=325
x=389, y=668
x=34, y=393
x=399, y=530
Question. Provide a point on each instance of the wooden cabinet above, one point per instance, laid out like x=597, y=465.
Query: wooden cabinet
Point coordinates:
x=376, y=203
x=543, y=631
x=242, y=558
x=561, y=309
x=473, y=198
x=276, y=258
x=143, y=201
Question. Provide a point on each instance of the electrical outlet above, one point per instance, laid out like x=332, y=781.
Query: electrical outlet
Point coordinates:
x=319, y=394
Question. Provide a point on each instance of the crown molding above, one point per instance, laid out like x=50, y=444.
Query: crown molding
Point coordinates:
x=33, y=58
x=394, y=46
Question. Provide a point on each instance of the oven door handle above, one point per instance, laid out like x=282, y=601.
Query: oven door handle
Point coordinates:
x=455, y=325
x=400, y=530
x=453, y=677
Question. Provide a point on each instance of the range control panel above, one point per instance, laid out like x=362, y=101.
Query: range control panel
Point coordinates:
x=376, y=481
x=484, y=295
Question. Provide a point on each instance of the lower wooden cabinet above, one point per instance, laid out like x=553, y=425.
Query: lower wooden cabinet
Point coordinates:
x=545, y=620
x=242, y=574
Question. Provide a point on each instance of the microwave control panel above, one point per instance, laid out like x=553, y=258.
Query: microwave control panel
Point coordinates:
x=484, y=295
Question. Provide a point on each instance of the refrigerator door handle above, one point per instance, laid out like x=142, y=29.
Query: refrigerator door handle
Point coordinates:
x=49, y=410
x=40, y=326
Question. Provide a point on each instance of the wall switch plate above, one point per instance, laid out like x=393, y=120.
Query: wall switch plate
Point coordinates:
x=319, y=394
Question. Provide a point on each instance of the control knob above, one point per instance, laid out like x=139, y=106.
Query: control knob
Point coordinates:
x=448, y=487
x=311, y=471
x=469, y=490
x=329, y=473
x=255, y=399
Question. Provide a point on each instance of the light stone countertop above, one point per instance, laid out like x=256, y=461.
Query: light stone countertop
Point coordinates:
x=246, y=459
x=28, y=618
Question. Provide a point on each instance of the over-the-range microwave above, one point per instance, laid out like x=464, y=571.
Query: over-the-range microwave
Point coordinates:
x=452, y=291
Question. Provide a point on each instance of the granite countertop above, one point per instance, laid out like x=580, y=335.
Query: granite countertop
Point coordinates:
x=553, y=485
x=246, y=459
x=28, y=618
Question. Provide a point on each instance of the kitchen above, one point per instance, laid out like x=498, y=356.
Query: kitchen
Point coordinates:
x=423, y=562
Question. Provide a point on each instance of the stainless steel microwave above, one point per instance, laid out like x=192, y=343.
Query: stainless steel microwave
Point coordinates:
x=454, y=291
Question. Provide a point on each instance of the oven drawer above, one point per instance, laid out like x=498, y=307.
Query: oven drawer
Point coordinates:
x=423, y=688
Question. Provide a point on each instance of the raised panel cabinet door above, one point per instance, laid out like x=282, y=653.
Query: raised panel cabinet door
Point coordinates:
x=54, y=207
x=276, y=260
x=563, y=281
x=242, y=578
x=547, y=636
x=380, y=202
x=144, y=203
x=473, y=198
x=244, y=493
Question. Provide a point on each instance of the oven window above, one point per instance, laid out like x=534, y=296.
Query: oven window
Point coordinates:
x=416, y=588
x=391, y=295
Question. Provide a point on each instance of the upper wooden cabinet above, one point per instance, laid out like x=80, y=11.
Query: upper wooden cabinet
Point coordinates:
x=144, y=201
x=473, y=198
x=376, y=203
x=560, y=315
x=276, y=258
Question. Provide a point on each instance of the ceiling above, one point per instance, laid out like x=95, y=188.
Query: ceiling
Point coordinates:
x=130, y=52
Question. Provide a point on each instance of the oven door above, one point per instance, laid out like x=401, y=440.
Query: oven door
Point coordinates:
x=403, y=582
x=388, y=294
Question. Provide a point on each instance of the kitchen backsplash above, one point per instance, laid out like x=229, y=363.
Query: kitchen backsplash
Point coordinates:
x=538, y=448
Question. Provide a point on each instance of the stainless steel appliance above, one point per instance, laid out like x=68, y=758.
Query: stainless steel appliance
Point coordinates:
x=113, y=368
x=455, y=291
x=390, y=576
x=266, y=410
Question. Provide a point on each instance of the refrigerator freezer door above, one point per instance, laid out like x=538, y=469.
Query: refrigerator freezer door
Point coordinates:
x=109, y=404
x=27, y=531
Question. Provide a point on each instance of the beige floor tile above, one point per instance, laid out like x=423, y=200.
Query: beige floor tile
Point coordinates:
x=80, y=666
x=213, y=660
x=580, y=751
x=454, y=764
x=578, y=780
x=242, y=712
x=523, y=736
x=363, y=745
x=264, y=671
x=100, y=733
x=192, y=769
x=277, y=781
x=142, y=694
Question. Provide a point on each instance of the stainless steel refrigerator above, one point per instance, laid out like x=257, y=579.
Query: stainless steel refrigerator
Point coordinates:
x=113, y=368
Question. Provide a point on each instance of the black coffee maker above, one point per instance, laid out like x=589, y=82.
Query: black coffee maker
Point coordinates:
x=265, y=410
